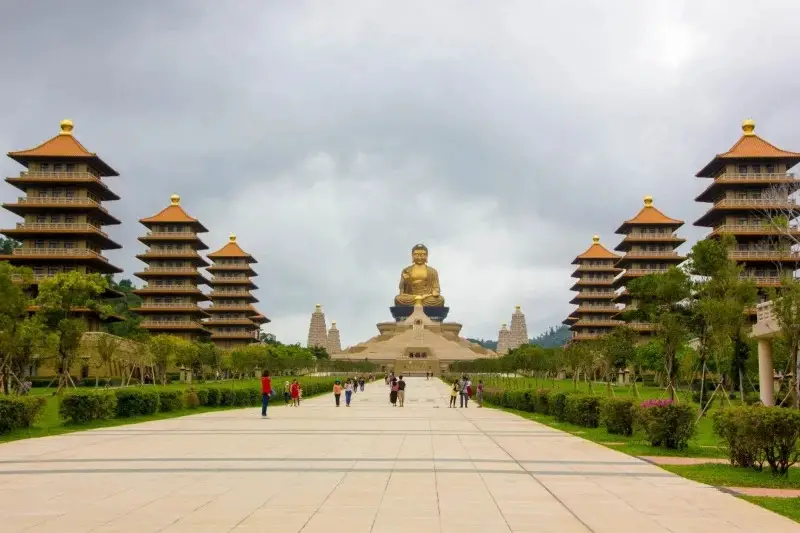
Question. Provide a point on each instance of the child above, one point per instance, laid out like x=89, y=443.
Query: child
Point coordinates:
x=337, y=391
x=287, y=392
x=480, y=393
x=295, y=393
x=348, y=392
x=454, y=394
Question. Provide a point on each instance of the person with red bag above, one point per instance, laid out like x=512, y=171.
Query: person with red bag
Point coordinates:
x=266, y=392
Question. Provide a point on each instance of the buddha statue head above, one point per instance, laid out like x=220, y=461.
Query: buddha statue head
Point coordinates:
x=419, y=254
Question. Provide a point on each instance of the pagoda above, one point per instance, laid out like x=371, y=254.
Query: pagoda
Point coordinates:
x=232, y=312
x=317, y=332
x=649, y=245
x=62, y=210
x=750, y=188
x=170, y=297
x=594, y=316
x=334, y=341
x=503, y=338
x=518, y=335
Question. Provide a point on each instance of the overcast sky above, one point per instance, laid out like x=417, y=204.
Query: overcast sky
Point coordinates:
x=331, y=136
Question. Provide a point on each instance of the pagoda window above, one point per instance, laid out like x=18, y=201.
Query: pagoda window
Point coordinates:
x=57, y=193
x=70, y=219
x=38, y=244
x=55, y=219
x=53, y=244
x=41, y=219
x=770, y=169
x=58, y=167
x=742, y=169
x=756, y=169
x=44, y=167
x=70, y=167
x=52, y=271
x=69, y=193
x=69, y=244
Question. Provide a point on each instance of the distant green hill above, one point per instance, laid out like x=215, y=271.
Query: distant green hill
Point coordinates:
x=554, y=336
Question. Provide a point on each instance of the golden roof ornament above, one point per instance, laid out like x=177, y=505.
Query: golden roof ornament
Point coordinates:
x=175, y=199
x=596, y=239
x=66, y=127
x=648, y=201
x=232, y=237
x=749, y=126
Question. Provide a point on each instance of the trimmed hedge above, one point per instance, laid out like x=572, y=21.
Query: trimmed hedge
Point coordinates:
x=582, y=409
x=133, y=402
x=171, y=400
x=759, y=434
x=666, y=423
x=82, y=407
x=617, y=415
x=557, y=400
x=19, y=412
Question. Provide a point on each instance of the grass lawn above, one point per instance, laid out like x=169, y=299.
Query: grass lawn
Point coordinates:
x=788, y=507
x=49, y=423
x=721, y=475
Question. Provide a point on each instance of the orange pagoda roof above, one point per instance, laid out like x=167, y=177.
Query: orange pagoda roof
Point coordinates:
x=63, y=146
x=749, y=146
x=231, y=250
x=174, y=213
x=649, y=215
x=596, y=251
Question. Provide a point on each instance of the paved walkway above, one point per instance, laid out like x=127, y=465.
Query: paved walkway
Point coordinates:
x=423, y=468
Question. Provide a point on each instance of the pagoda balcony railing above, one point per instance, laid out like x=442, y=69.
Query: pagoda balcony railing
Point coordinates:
x=226, y=307
x=65, y=226
x=596, y=268
x=758, y=202
x=184, y=234
x=59, y=200
x=239, y=334
x=644, y=271
x=171, y=305
x=231, y=321
x=230, y=278
x=70, y=252
x=611, y=321
x=640, y=326
x=764, y=176
x=597, y=309
x=595, y=294
x=755, y=229
x=761, y=280
x=595, y=281
x=60, y=176
x=176, y=270
x=177, y=323
x=586, y=336
x=169, y=288
x=763, y=254
x=232, y=294
x=182, y=252
x=637, y=235
x=242, y=266
x=34, y=277
x=653, y=253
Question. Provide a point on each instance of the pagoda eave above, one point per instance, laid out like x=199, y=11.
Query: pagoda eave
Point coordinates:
x=197, y=227
x=194, y=258
x=95, y=235
x=30, y=208
x=150, y=239
x=21, y=259
x=628, y=243
x=94, y=185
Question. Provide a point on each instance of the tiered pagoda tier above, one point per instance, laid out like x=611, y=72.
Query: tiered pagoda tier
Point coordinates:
x=751, y=184
x=234, y=321
x=62, y=210
x=649, y=246
x=170, y=297
x=595, y=314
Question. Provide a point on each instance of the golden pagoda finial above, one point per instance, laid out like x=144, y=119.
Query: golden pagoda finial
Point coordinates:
x=648, y=201
x=319, y=306
x=333, y=323
x=749, y=126
x=517, y=307
x=596, y=239
x=175, y=199
x=66, y=127
x=232, y=237
x=504, y=326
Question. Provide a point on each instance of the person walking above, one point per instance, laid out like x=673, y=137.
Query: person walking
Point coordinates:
x=361, y=383
x=337, y=392
x=393, y=390
x=295, y=392
x=266, y=391
x=454, y=394
x=479, y=395
x=287, y=393
x=348, y=392
x=464, y=388
x=401, y=391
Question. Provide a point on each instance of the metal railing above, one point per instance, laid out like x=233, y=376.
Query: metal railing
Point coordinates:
x=762, y=176
x=60, y=176
x=171, y=305
x=595, y=281
x=169, y=288
x=166, y=234
x=756, y=229
x=232, y=321
x=239, y=334
x=579, y=335
x=644, y=271
x=596, y=309
x=596, y=268
x=170, y=323
x=59, y=200
x=639, y=236
x=229, y=278
x=231, y=294
x=652, y=253
x=170, y=270
x=759, y=202
x=180, y=252
x=595, y=294
x=226, y=307
x=65, y=226
x=763, y=254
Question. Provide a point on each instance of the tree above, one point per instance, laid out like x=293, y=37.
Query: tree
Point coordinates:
x=14, y=302
x=163, y=350
x=665, y=301
x=319, y=352
x=786, y=310
x=7, y=246
x=579, y=357
x=187, y=355
x=128, y=327
x=104, y=353
x=267, y=338
x=64, y=301
x=209, y=356
x=618, y=348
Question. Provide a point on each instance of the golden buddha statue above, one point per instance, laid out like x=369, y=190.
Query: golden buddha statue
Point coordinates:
x=419, y=282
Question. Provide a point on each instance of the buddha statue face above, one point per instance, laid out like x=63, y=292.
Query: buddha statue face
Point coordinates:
x=419, y=254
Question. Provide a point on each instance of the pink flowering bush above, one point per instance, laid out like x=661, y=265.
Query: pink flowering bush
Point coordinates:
x=666, y=423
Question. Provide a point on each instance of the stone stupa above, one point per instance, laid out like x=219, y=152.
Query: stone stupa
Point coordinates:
x=503, y=338
x=519, y=330
x=334, y=341
x=317, y=331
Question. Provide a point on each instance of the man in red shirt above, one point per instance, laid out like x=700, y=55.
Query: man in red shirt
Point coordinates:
x=266, y=392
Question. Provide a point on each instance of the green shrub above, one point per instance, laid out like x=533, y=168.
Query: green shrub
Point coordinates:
x=557, y=403
x=170, y=400
x=202, y=396
x=19, y=412
x=82, y=407
x=542, y=401
x=134, y=402
x=192, y=399
x=582, y=409
x=666, y=424
x=226, y=397
x=213, y=397
x=255, y=396
x=741, y=428
x=617, y=415
x=780, y=430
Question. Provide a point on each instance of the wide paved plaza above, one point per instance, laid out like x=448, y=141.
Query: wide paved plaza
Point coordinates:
x=417, y=469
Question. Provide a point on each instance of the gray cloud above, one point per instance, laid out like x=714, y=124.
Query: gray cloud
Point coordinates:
x=333, y=135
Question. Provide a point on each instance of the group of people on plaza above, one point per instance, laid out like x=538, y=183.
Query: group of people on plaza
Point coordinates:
x=292, y=392
x=462, y=389
x=350, y=387
x=397, y=390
